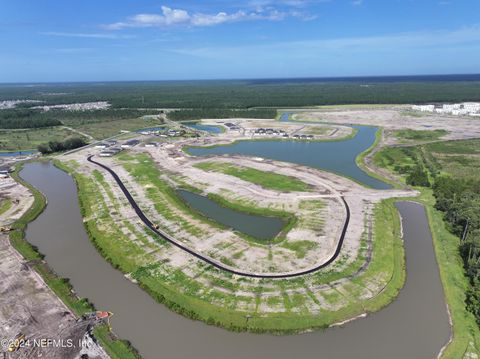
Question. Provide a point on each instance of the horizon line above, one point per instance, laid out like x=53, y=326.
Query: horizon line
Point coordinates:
x=359, y=77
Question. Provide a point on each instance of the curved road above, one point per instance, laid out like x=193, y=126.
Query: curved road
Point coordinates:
x=200, y=256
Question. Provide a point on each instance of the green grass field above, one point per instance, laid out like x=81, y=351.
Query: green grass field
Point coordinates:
x=17, y=140
x=105, y=129
x=407, y=136
x=268, y=180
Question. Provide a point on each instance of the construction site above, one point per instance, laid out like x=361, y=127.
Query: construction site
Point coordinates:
x=336, y=257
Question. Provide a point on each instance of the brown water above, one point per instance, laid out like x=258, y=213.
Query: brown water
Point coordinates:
x=415, y=326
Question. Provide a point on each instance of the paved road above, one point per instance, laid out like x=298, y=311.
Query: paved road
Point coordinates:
x=210, y=261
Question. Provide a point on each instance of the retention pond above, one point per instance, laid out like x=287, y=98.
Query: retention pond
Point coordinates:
x=260, y=227
x=413, y=326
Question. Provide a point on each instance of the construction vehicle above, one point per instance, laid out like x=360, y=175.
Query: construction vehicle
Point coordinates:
x=99, y=316
x=17, y=341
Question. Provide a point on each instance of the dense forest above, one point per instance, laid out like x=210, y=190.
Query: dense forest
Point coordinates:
x=205, y=113
x=459, y=199
x=217, y=99
x=33, y=118
x=254, y=93
x=25, y=118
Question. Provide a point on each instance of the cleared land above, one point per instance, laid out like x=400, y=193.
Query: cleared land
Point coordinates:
x=365, y=277
x=267, y=180
x=457, y=128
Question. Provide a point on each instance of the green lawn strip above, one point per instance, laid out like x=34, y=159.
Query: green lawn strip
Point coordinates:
x=5, y=205
x=268, y=180
x=60, y=286
x=419, y=135
x=360, y=161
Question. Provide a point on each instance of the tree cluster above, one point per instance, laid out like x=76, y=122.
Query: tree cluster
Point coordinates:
x=460, y=202
x=25, y=118
x=58, y=146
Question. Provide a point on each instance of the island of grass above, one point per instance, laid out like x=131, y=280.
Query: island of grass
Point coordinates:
x=267, y=180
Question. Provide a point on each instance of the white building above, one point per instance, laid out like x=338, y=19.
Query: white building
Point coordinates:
x=455, y=109
x=423, y=108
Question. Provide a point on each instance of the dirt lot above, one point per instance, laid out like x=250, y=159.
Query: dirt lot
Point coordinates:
x=392, y=119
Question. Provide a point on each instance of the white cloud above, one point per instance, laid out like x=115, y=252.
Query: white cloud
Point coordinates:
x=466, y=36
x=172, y=17
x=87, y=35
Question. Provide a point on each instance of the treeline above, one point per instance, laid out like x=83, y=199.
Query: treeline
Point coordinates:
x=420, y=173
x=25, y=118
x=36, y=118
x=58, y=146
x=459, y=199
x=248, y=94
x=198, y=114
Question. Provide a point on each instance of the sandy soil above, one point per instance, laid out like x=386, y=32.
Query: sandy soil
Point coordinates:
x=390, y=119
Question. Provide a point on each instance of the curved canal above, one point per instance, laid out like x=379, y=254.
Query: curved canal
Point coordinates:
x=413, y=326
x=334, y=156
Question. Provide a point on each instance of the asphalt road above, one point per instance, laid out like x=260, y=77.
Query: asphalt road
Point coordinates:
x=218, y=265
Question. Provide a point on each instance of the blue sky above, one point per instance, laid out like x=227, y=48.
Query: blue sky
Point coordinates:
x=106, y=40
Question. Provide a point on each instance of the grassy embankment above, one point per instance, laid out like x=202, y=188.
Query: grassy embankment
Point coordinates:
x=188, y=297
x=459, y=159
x=5, y=205
x=117, y=349
x=268, y=180
x=388, y=259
